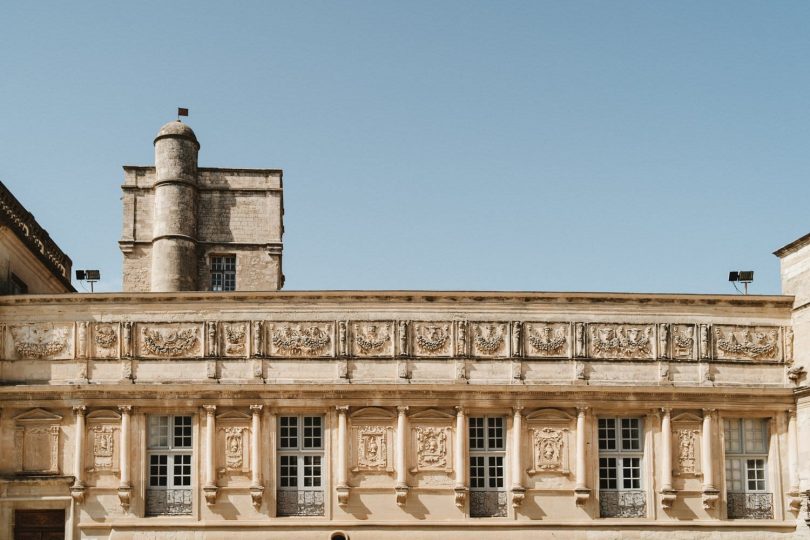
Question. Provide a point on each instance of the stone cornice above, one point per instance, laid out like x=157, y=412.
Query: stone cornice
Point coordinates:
x=22, y=223
x=448, y=298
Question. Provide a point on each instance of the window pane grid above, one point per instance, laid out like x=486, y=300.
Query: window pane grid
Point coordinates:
x=300, y=466
x=170, y=441
x=746, y=444
x=223, y=273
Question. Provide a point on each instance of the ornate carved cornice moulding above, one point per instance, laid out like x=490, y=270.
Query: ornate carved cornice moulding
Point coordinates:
x=382, y=339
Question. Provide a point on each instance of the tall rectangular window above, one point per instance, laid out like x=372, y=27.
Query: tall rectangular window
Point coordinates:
x=169, y=448
x=621, y=454
x=746, y=465
x=487, y=454
x=300, y=466
x=223, y=273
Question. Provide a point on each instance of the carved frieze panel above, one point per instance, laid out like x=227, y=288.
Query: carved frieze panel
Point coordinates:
x=747, y=343
x=169, y=340
x=686, y=441
x=38, y=341
x=432, y=338
x=371, y=445
x=547, y=340
x=36, y=442
x=622, y=341
x=373, y=338
x=549, y=431
x=301, y=339
x=684, y=342
x=105, y=341
x=490, y=339
x=234, y=339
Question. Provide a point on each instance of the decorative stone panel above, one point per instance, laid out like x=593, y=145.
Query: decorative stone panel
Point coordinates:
x=547, y=340
x=41, y=341
x=301, y=339
x=431, y=441
x=371, y=447
x=233, y=443
x=622, y=341
x=103, y=439
x=169, y=340
x=36, y=442
x=683, y=344
x=751, y=343
x=234, y=339
x=686, y=443
x=489, y=339
x=433, y=338
x=549, y=431
x=373, y=339
x=105, y=341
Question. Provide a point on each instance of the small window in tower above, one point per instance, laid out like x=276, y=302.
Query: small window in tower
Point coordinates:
x=223, y=273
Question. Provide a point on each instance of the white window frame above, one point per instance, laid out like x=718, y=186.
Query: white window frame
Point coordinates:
x=221, y=268
x=625, y=444
x=736, y=430
x=491, y=451
x=175, y=454
x=301, y=453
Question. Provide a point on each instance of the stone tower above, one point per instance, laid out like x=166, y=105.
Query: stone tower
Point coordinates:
x=188, y=228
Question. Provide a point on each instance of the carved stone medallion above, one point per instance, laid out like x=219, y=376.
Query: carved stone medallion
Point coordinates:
x=432, y=338
x=746, y=343
x=490, y=339
x=373, y=339
x=547, y=340
x=622, y=341
x=301, y=339
x=105, y=340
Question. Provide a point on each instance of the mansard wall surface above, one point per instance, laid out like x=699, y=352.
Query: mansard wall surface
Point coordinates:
x=396, y=383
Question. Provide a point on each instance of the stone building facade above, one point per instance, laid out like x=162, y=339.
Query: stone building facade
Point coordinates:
x=365, y=415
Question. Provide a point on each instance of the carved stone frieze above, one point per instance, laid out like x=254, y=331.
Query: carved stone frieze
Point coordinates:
x=126, y=339
x=296, y=339
x=213, y=339
x=663, y=340
x=402, y=336
x=105, y=340
x=746, y=343
x=683, y=341
x=373, y=339
x=234, y=339
x=490, y=339
x=432, y=339
x=705, y=351
x=169, y=340
x=343, y=338
x=579, y=340
x=547, y=340
x=257, y=337
x=81, y=339
x=42, y=340
x=622, y=341
x=788, y=331
x=517, y=339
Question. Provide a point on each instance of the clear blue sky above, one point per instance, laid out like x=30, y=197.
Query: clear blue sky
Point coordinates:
x=597, y=146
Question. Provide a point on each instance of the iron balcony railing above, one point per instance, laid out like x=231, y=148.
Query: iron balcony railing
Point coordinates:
x=290, y=502
x=750, y=505
x=168, y=502
x=622, y=504
x=487, y=504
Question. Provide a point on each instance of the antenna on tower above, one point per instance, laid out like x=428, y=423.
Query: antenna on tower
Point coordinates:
x=181, y=112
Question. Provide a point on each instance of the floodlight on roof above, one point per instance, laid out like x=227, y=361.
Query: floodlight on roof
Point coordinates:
x=90, y=276
x=742, y=276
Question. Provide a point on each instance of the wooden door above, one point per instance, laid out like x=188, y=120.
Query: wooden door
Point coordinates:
x=39, y=525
